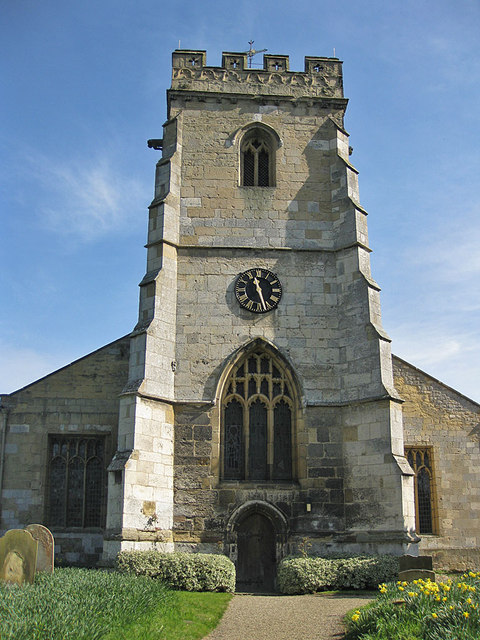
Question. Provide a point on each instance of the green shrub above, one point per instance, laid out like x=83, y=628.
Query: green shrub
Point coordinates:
x=308, y=575
x=185, y=571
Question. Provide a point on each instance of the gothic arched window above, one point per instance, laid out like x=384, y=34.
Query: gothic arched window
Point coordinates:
x=258, y=420
x=420, y=459
x=76, y=481
x=257, y=159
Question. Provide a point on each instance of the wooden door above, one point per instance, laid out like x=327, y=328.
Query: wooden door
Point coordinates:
x=256, y=561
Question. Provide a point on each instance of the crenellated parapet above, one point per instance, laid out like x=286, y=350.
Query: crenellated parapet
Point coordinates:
x=322, y=77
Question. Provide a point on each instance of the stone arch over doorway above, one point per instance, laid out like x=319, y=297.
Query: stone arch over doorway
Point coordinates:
x=256, y=542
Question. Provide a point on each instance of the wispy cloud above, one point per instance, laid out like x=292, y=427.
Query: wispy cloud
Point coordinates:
x=447, y=353
x=86, y=198
x=434, y=309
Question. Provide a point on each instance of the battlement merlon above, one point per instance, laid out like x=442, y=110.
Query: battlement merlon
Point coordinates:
x=322, y=77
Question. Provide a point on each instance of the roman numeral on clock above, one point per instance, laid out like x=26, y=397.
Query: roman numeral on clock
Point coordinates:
x=258, y=290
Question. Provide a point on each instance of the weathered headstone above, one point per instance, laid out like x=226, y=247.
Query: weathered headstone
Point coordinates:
x=44, y=538
x=18, y=557
x=416, y=568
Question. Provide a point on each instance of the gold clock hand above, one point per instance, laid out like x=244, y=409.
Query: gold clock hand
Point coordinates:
x=260, y=294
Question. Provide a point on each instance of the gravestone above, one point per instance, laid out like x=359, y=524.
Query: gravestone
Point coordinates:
x=44, y=538
x=416, y=568
x=18, y=557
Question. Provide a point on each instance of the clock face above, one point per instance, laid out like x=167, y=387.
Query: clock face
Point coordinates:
x=258, y=290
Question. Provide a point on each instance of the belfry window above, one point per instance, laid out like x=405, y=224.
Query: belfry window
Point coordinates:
x=258, y=421
x=257, y=159
x=420, y=459
x=76, y=481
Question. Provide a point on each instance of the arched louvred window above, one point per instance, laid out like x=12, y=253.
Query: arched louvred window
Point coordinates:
x=257, y=159
x=257, y=427
x=420, y=459
x=76, y=481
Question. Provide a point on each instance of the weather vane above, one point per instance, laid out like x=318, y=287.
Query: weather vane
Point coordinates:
x=252, y=52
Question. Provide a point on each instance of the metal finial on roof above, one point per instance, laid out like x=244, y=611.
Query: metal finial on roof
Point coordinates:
x=252, y=52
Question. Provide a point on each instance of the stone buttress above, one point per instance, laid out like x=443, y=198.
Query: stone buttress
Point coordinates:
x=215, y=215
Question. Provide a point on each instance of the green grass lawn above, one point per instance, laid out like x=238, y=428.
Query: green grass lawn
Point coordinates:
x=80, y=604
x=421, y=611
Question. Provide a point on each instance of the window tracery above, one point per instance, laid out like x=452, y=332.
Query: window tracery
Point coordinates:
x=76, y=481
x=258, y=421
x=420, y=459
x=257, y=159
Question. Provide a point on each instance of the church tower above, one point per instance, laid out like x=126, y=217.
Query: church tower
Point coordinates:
x=260, y=407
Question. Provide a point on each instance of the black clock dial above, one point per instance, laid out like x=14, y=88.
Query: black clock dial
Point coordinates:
x=258, y=290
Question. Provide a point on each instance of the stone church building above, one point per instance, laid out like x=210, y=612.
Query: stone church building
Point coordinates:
x=256, y=402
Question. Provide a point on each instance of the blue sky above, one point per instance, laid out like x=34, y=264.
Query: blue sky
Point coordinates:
x=84, y=88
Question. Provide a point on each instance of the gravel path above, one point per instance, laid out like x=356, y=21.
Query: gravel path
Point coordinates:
x=309, y=617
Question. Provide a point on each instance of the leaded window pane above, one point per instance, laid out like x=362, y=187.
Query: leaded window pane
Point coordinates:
x=233, y=464
x=257, y=438
x=424, y=501
x=282, y=442
x=75, y=492
x=93, y=492
x=264, y=387
x=263, y=172
x=58, y=474
x=257, y=453
x=421, y=463
x=76, y=481
x=248, y=169
x=264, y=365
x=426, y=460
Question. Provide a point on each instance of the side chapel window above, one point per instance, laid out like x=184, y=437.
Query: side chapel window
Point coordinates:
x=257, y=159
x=257, y=425
x=76, y=481
x=420, y=459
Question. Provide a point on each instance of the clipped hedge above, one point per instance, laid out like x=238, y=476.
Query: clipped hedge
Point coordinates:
x=183, y=571
x=311, y=574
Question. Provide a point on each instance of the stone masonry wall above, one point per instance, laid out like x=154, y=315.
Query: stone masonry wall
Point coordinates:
x=307, y=227
x=81, y=398
x=439, y=417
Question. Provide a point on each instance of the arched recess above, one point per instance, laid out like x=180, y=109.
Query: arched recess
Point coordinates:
x=259, y=414
x=256, y=538
x=257, y=147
